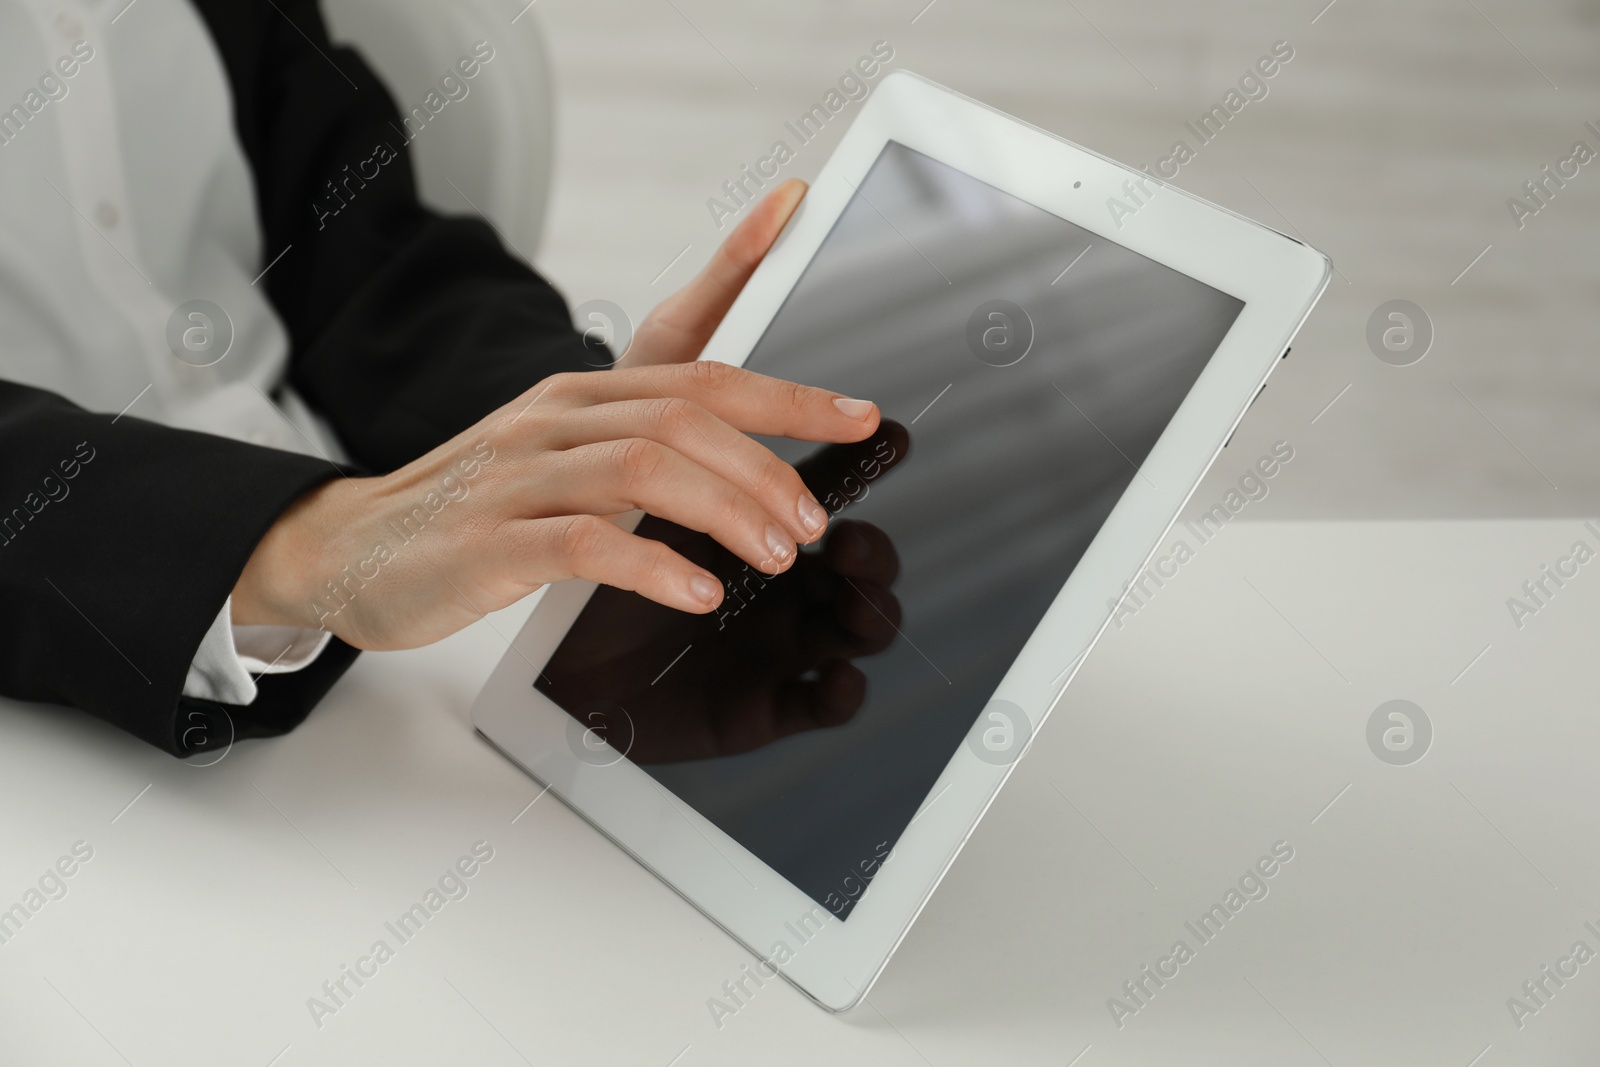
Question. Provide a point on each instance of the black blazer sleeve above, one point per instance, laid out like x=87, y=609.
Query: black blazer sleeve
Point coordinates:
x=406, y=328
x=119, y=541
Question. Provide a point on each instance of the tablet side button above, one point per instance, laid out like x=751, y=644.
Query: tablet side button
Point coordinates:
x=1253, y=399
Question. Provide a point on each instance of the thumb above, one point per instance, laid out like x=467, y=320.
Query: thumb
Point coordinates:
x=685, y=321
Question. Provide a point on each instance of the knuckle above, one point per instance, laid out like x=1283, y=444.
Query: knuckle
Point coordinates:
x=772, y=475
x=738, y=508
x=561, y=385
x=671, y=413
x=640, y=460
x=580, y=537
x=795, y=396
x=659, y=568
x=710, y=373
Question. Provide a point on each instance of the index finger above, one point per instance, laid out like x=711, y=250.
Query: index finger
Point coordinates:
x=747, y=401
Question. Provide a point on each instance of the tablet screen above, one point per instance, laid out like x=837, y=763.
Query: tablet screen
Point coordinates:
x=1024, y=368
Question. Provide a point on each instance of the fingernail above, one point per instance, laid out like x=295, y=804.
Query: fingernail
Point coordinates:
x=856, y=409
x=779, y=544
x=705, y=588
x=812, y=515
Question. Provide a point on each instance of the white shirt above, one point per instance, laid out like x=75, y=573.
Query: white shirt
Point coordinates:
x=102, y=240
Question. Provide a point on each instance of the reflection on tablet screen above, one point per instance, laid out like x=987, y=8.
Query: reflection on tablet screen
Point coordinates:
x=1024, y=367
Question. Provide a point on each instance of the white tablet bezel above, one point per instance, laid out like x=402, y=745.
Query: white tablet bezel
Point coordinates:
x=1279, y=280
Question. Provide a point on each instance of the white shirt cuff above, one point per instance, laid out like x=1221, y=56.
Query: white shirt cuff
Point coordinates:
x=228, y=655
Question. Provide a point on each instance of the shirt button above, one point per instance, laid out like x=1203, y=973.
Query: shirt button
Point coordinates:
x=69, y=27
x=107, y=213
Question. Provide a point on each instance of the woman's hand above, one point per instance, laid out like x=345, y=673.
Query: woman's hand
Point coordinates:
x=524, y=498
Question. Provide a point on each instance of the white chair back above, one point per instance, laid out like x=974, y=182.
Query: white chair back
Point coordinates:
x=490, y=150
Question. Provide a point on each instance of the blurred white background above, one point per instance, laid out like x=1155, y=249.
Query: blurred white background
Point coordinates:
x=1391, y=141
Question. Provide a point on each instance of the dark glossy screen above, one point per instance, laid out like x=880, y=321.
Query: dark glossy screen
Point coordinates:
x=810, y=716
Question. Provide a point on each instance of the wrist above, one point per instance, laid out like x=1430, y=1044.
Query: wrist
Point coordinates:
x=275, y=587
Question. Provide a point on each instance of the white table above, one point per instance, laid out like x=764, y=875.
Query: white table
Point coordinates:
x=1218, y=720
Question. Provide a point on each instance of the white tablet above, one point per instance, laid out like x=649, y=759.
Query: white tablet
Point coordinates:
x=1060, y=346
